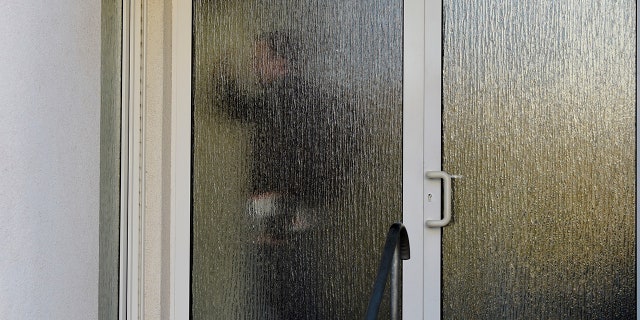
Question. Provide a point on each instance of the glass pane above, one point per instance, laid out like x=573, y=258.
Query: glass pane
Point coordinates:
x=297, y=134
x=539, y=118
x=111, y=57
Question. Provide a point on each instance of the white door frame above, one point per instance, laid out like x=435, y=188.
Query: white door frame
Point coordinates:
x=422, y=88
x=422, y=151
x=417, y=300
x=432, y=204
x=181, y=12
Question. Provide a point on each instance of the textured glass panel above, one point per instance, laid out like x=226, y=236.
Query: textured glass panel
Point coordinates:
x=296, y=155
x=110, y=82
x=539, y=118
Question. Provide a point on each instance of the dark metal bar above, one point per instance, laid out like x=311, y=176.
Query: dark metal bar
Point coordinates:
x=395, y=284
x=397, y=243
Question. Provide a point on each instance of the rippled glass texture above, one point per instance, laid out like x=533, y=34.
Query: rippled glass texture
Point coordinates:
x=539, y=119
x=110, y=111
x=297, y=113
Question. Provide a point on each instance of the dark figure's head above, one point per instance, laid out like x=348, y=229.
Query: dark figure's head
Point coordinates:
x=275, y=56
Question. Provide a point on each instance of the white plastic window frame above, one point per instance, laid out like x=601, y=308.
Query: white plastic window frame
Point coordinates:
x=181, y=12
x=132, y=162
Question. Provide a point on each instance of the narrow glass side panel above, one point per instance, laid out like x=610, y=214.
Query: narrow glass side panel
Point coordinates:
x=110, y=112
x=296, y=155
x=539, y=119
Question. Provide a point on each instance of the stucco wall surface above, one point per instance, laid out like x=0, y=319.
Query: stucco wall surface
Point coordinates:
x=49, y=158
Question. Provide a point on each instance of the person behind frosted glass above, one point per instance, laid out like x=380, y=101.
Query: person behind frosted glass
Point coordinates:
x=302, y=143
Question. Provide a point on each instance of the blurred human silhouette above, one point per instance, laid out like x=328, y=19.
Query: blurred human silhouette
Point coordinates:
x=302, y=145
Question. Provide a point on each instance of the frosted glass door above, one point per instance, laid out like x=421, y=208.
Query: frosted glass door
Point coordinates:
x=539, y=118
x=297, y=155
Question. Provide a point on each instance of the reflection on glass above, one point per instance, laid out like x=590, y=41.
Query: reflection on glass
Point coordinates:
x=539, y=118
x=296, y=171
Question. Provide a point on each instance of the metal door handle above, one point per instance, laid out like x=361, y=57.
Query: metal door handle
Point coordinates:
x=446, y=198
